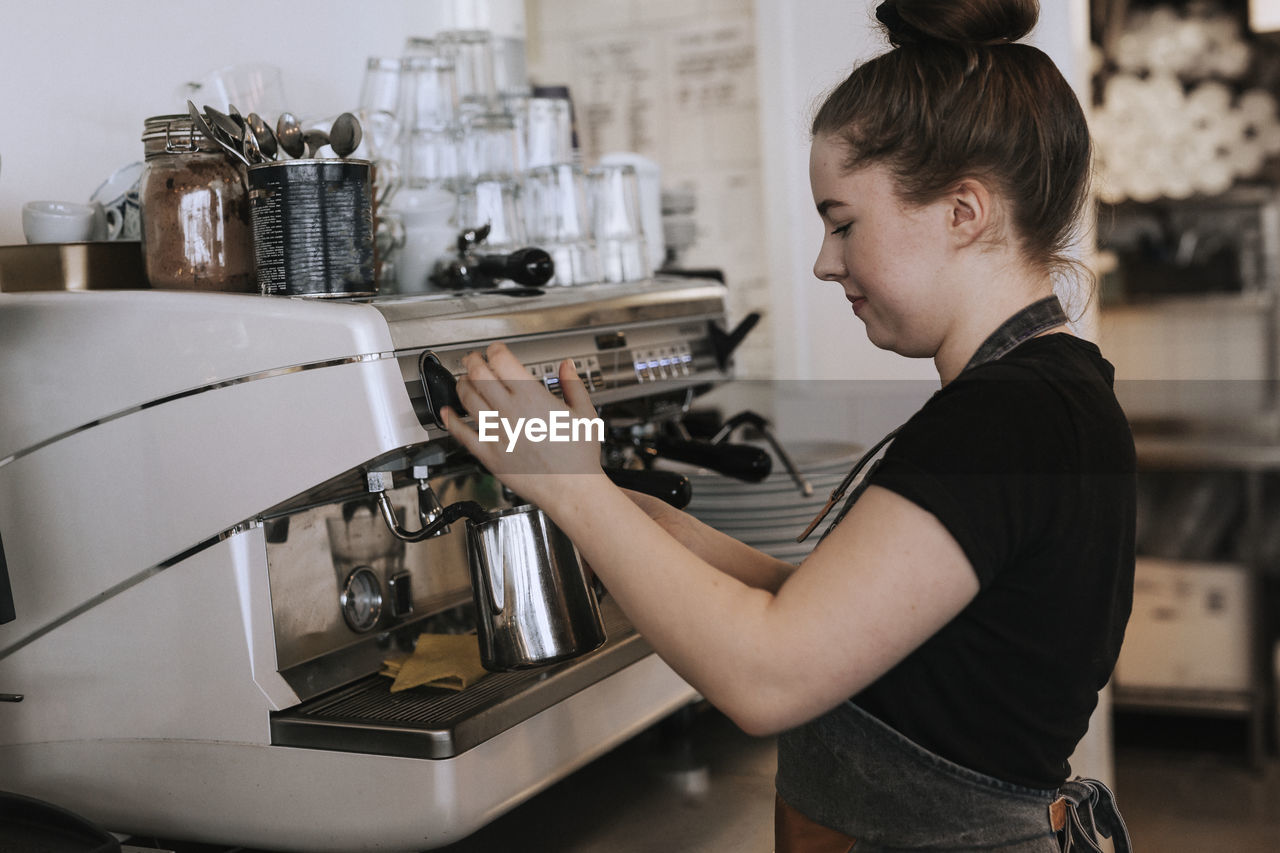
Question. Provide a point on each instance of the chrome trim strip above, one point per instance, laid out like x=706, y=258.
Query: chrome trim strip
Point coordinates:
x=111, y=592
x=190, y=392
x=480, y=316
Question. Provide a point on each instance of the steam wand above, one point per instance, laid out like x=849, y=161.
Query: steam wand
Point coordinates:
x=380, y=481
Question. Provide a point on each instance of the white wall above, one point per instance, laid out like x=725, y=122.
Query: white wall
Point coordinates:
x=80, y=76
x=805, y=48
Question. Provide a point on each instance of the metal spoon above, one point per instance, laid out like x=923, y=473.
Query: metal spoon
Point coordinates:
x=247, y=141
x=289, y=135
x=315, y=140
x=225, y=125
x=345, y=135
x=251, y=148
x=202, y=125
x=264, y=137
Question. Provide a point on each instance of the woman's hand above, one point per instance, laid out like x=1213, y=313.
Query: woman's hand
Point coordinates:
x=538, y=446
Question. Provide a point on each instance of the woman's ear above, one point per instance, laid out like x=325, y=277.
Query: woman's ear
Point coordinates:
x=971, y=212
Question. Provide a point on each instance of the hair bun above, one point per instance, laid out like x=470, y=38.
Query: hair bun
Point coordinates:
x=964, y=22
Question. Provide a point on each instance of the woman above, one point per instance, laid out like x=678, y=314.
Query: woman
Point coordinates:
x=932, y=664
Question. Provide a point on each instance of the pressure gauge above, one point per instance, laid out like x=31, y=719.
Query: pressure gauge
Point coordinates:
x=361, y=599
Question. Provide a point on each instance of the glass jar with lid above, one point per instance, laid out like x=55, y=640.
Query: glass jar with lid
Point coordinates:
x=194, y=205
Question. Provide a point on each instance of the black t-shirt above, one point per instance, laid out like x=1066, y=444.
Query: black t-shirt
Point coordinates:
x=1028, y=461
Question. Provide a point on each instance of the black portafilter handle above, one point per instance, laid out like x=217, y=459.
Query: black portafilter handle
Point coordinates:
x=671, y=487
x=740, y=461
x=439, y=388
x=529, y=266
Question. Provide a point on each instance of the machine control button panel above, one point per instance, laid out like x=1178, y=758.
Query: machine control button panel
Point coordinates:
x=613, y=365
x=588, y=368
x=648, y=364
x=670, y=361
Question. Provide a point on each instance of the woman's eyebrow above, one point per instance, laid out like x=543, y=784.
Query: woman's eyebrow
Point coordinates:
x=828, y=203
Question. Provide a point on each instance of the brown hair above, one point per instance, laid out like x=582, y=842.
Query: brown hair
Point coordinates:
x=957, y=98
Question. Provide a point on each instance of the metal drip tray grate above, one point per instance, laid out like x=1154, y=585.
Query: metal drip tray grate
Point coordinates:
x=425, y=722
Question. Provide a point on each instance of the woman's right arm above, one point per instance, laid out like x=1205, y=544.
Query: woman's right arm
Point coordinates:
x=731, y=556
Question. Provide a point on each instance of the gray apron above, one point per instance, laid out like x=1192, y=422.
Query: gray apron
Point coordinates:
x=852, y=773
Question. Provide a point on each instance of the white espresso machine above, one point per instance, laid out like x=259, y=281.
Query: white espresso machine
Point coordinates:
x=198, y=617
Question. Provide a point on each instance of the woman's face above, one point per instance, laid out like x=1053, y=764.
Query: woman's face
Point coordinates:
x=889, y=258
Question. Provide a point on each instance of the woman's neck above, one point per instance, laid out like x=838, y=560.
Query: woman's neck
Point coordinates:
x=982, y=316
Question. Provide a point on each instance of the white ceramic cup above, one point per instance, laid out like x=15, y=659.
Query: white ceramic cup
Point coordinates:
x=62, y=221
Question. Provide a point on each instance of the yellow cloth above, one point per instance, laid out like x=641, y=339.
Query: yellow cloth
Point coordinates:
x=451, y=661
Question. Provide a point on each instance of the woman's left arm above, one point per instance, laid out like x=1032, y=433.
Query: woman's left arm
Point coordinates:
x=886, y=579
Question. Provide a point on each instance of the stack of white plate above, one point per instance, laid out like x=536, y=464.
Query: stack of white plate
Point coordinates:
x=769, y=515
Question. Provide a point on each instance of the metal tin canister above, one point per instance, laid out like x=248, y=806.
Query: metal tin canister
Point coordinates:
x=313, y=227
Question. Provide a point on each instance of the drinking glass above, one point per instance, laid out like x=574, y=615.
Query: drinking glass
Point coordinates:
x=616, y=223
x=472, y=55
x=420, y=46
x=495, y=203
x=557, y=217
x=380, y=104
x=379, y=118
x=649, y=181
x=431, y=157
x=253, y=87
x=510, y=71
x=490, y=147
x=428, y=93
x=548, y=135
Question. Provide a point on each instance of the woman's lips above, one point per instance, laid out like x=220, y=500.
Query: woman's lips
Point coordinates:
x=857, y=302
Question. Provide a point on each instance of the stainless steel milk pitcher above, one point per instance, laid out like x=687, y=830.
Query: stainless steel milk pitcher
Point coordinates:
x=534, y=601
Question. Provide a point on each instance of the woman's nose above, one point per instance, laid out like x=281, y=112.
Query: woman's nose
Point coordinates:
x=830, y=265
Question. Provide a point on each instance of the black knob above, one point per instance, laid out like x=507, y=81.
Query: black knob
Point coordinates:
x=740, y=461
x=529, y=266
x=671, y=487
x=438, y=387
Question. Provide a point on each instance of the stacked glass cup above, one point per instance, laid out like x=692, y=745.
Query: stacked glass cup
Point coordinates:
x=429, y=150
x=461, y=143
x=557, y=199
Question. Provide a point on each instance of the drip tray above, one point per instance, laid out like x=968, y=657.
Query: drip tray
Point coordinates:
x=426, y=722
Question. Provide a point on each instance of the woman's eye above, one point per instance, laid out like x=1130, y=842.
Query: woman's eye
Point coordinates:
x=843, y=229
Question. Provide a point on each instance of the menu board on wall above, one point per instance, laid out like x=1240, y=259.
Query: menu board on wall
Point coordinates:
x=681, y=88
x=663, y=93
x=617, y=85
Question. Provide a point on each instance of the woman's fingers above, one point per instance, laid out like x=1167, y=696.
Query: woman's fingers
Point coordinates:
x=470, y=397
x=575, y=393
x=504, y=365
x=460, y=429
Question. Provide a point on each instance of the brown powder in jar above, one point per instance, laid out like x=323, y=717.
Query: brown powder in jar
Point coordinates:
x=196, y=230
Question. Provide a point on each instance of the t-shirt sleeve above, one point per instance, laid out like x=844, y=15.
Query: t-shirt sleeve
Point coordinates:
x=988, y=456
